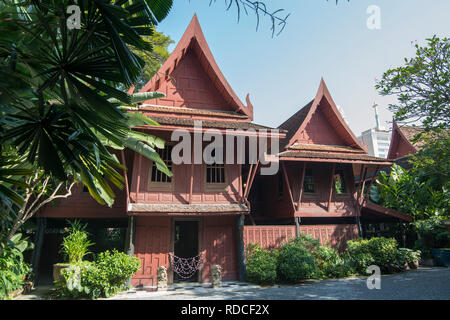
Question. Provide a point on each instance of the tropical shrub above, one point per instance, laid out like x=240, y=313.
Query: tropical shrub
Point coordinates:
x=104, y=277
x=75, y=245
x=13, y=269
x=330, y=263
x=408, y=257
x=432, y=233
x=295, y=263
x=261, y=265
x=382, y=252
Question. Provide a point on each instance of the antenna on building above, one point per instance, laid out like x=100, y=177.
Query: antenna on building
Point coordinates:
x=377, y=120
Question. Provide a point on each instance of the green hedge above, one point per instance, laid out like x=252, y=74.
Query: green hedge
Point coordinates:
x=304, y=258
x=295, y=263
x=261, y=265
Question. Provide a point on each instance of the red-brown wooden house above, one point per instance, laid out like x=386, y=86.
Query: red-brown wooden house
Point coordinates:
x=214, y=210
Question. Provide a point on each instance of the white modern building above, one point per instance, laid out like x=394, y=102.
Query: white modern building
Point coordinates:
x=377, y=139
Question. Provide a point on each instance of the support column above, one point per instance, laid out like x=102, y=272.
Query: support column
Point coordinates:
x=360, y=231
x=297, y=226
x=38, y=243
x=240, y=247
x=130, y=238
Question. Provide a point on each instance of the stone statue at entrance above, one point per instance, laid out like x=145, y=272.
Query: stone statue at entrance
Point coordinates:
x=162, y=278
x=216, y=276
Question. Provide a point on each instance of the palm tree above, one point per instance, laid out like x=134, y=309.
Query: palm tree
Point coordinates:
x=61, y=113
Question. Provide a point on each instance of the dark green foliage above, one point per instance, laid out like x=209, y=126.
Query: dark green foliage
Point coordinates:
x=330, y=264
x=407, y=256
x=104, y=277
x=411, y=192
x=422, y=85
x=13, y=269
x=432, y=233
x=261, y=265
x=295, y=263
x=382, y=252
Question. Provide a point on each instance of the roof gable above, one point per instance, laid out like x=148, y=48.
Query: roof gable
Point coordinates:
x=401, y=144
x=191, y=78
x=320, y=122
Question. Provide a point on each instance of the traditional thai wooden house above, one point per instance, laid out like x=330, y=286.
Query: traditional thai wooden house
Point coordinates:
x=212, y=210
x=315, y=191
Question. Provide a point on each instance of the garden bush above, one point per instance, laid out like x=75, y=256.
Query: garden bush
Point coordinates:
x=295, y=263
x=432, y=233
x=408, y=257
x=330, y=264
x=104, y=277
x=13, y=269
x=261, y=265
x=382, y=252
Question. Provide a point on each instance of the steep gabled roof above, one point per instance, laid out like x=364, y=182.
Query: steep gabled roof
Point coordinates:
x=324, y=104
x=193, y=41
x=401, y=141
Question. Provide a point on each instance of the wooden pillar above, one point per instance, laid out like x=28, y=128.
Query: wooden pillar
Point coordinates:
x=240, y=247
x=286, y=177
x=333, y=169
x=130, y=238
x=38, y=243
x=297, y=226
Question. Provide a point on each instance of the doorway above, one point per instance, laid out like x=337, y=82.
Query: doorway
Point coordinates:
x=186, y=245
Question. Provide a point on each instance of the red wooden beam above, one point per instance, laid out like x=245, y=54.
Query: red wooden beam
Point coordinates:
x=359, y=182
x=361, y=196
x=252, y=177
x=333, y=169
x=302, y=181
x=371, y=183
x=283, y=165
x=138, y=182
x=248, y=180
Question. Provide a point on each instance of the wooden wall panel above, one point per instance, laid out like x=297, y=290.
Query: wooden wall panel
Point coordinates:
x=271, y=237
x=152, y=246
x=219, y=247
x=268, y=237
x=82, y=205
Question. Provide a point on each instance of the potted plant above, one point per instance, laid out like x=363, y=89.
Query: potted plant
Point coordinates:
x=441, y=256
x=74, y=247
x=433, y=238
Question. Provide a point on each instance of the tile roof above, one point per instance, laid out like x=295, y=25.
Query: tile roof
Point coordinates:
x=326, y=148
x=332, y=156
x=190, y=111
x=209, y=123
x=294, y=122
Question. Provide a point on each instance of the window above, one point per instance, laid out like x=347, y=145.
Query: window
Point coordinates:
x=215, y=173
x=156, y=175
x=308, y=184
x=339, y=182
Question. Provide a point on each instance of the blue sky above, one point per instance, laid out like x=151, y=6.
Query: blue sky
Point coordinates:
x=321, y=39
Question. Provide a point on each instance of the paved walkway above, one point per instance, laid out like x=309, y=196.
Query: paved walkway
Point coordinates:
x=422, y=284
